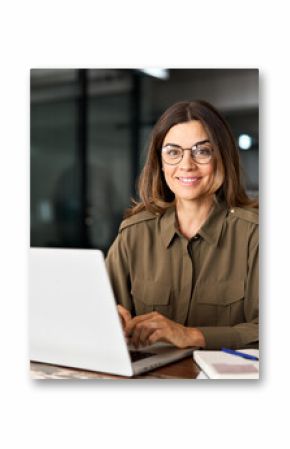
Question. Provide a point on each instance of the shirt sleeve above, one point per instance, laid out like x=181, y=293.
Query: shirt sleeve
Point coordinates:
x=118, y=270
x=245, y=334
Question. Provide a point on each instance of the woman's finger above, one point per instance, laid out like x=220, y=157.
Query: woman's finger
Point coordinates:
x=139, y=319
x=145, y=333
x=125, y=315
x=157, y=335
x=144, y=327
x=135, y=336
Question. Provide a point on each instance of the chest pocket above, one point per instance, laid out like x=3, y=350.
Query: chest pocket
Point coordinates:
x=220, y=303
x=149, y=296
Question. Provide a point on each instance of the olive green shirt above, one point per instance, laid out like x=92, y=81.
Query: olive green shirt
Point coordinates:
x=209, y=282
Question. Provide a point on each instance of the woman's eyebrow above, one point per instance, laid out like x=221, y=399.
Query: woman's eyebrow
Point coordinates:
x=197, y=143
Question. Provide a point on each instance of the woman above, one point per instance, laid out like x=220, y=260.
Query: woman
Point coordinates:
x=184, y=266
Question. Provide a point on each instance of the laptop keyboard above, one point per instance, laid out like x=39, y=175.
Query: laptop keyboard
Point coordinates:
x=137, y=355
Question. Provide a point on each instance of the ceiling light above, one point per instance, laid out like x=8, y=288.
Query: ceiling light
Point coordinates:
x=157, y=73
x=245, y=142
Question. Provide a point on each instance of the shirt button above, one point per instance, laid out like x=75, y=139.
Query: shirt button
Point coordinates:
x=232, y=211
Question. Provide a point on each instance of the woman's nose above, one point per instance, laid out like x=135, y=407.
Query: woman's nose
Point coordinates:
x=187, y=162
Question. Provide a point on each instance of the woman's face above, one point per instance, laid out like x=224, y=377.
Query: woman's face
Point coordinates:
x=187, y=180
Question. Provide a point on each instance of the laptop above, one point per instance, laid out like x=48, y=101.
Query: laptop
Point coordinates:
x=74, y=321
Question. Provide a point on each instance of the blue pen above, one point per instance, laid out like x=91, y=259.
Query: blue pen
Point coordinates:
x=240, y=354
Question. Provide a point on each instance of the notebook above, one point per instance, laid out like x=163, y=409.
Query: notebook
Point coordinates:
x=73, y=318
x=220, y=365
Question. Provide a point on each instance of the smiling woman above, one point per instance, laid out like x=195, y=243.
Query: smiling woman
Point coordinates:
x=184, y=266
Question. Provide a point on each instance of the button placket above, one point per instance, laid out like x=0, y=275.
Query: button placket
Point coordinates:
x=183, y=295
x=194, y=252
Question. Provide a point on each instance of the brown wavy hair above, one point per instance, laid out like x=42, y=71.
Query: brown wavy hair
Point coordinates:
x=155, y=195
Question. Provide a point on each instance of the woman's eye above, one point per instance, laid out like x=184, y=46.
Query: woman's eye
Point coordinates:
x=203, y=152
x=172, y=152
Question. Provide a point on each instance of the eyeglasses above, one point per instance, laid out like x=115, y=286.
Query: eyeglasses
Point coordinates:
x=200, y=153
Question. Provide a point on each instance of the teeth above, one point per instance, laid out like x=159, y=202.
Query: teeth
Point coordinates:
x=188, y=179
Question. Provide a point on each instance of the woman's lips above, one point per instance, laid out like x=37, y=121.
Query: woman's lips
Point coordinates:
x=188, y=180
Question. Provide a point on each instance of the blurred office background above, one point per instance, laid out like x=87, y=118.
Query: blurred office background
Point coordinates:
x=89, y=131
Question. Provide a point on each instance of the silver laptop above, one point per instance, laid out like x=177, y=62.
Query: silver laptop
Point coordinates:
x=73, y=318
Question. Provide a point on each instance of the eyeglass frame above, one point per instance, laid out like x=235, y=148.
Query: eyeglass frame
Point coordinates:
x=187, y=149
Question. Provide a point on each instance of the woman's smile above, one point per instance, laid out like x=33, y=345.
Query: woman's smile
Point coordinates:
x=188, y=181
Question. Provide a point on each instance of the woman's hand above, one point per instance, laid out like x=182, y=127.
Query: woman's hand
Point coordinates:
x=125, y=316
x=152, y=327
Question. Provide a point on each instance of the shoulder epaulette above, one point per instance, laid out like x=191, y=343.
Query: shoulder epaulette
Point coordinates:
x=135, y=219
x=248, y=214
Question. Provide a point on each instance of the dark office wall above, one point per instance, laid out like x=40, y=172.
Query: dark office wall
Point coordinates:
x=61, y=213
x=89, y=131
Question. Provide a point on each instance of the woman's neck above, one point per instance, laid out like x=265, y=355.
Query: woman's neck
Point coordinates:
x=192, y=214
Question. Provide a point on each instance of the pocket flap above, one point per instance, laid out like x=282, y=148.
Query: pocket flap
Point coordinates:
x=151, y=292
x=220, y=293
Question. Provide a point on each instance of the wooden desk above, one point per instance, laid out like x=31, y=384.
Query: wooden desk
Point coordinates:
x=183, y=369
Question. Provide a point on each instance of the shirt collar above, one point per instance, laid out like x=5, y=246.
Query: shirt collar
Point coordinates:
x=212, y=227
x=168, y=225
x=210, y=230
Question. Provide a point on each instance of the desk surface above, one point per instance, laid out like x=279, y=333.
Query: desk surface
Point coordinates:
x=183, y=369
